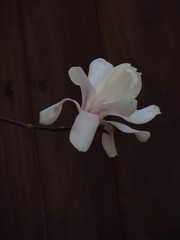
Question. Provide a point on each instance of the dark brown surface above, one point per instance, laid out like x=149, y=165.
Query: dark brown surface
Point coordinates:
x=48, y=189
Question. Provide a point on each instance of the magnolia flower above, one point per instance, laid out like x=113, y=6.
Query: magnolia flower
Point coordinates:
x=107, y=90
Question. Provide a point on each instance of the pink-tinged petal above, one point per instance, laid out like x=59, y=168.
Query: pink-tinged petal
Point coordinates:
x=143, y=115
x=97, y=70
x=142, y=136
x=120, y=81
x=50, y=114
x=83, y=130
x=108, y=141
x=124, y=106
x=79, y=78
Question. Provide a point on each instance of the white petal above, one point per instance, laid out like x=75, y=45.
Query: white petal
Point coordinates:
x=124, y=106
x=83, y=130
x=108, y=141
x=50, y=114
x=120, y=81
x=143, y=115
x=137, y=83
x=79, y=78
x=97, y=70
x=142, y=136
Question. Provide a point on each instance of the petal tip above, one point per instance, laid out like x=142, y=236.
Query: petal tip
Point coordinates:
x=113, y=155
x=143, y=136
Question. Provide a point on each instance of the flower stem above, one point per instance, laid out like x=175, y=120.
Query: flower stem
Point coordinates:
x=31, y=126
x=39, y=127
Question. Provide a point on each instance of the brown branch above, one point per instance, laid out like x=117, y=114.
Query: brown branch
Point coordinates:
x=39, y=127
x=31, y=126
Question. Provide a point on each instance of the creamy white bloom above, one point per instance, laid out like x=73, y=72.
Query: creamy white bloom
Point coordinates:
x=106, y=91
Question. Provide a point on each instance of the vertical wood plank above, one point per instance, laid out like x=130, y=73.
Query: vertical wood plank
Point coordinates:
x=21, y=214
x=146, y=34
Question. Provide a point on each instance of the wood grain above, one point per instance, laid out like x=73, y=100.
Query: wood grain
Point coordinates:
x=48, y=189
x=21, y=202
x=146, y=33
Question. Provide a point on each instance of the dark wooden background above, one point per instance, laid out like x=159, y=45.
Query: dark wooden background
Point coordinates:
x=48, y=190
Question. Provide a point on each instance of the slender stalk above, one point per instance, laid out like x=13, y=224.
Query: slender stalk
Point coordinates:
x=31, y=126
x=39, y=127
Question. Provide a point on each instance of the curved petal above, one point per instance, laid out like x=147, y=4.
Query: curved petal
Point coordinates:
x=120, y=81
x=142, y=136
x=83, y=130
x=137, y=83
x=143, y=115
x=108, y=141
x=97, y=70
x=124, y=106
x=50, y=114
x=79, y=78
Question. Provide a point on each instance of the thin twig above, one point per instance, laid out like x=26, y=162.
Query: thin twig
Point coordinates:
x=39, y=127
x=31, y=126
